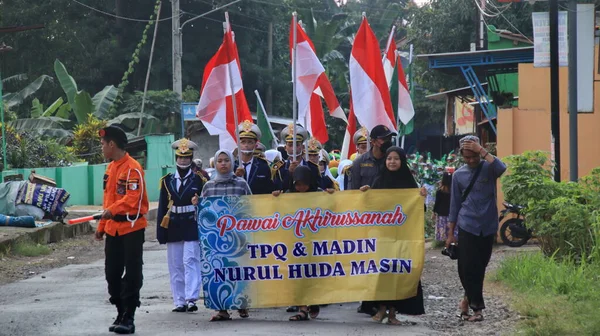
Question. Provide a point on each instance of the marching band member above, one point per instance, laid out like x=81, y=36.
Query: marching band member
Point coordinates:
x=125, y=205
x=177, y=226
x=327, y=179
x=254, y=169
x=360, y=140
x=260, y=149
x=287, y=136
x=343, y=178
x=275, y=161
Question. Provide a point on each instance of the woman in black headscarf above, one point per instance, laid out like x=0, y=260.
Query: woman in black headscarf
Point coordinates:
x=396, y=175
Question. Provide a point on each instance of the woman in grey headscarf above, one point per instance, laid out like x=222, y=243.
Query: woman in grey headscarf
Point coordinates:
x=225, y=183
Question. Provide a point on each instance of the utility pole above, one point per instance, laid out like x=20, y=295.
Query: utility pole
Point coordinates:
x=178, y=41
x=176, y=34
x=573, y=140
x=482, y=27
x=270, y=68
x=554, y=88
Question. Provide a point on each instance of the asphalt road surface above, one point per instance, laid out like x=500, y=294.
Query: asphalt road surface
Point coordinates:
x=73, y=300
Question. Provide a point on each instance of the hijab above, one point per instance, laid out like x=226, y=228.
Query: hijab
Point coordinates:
x=341, y=179
x=272, y=154
x=399, y=179
x=219, y=177
x=305, y=175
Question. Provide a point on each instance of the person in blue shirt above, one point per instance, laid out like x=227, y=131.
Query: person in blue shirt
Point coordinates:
x=254, y=169
x=473, y=208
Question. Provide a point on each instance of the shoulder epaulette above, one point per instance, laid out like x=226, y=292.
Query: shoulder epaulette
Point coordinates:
x=160, y=183
x=261, y=157
x=314, y=164
x=199, y=173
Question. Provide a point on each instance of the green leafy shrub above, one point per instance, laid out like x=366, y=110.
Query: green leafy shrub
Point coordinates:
x=563, y=215
x=27, y=150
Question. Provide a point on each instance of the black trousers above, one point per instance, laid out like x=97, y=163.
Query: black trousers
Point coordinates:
x=124, y=255
x=474, y=254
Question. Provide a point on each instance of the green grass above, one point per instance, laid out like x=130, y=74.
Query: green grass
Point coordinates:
x=554, y=297
x=30, y=249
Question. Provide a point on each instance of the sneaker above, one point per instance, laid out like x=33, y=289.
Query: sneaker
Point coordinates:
x=191, y=306
x=179, y=309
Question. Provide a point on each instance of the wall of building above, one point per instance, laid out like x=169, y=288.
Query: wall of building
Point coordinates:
x=527, y=127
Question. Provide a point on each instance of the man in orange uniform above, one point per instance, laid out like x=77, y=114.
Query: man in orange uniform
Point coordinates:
x=125, y=205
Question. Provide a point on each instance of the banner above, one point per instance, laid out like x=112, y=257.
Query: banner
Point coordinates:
x=464, y=117
x=311, y=248
x=541, y=38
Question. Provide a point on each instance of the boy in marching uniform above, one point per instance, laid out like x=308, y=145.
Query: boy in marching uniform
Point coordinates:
x=177, y=226
x=360, y=140
x=287, y=136
x=254, y=169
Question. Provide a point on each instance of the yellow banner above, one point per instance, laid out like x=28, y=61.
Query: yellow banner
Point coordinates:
x=311, y=248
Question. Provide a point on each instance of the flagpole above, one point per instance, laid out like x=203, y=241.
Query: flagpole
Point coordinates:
x=272, y=144
x=364, y=15
x=410, y=82
x=389, y=41
x=228, y=42
x=294, y=102
x=399, y=123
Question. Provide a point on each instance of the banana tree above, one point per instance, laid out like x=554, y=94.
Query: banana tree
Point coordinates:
x=17, y=98
x=80, y=101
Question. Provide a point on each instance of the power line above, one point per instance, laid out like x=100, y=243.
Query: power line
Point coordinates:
x=487, y=14
x=233, y=24
x=117, y=16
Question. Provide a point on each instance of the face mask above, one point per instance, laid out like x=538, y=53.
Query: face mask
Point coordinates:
x=247, y=152
x=183, y=166
x=385, y=146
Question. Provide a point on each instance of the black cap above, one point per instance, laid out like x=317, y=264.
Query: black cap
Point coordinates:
x=381, y=131
x=115, y=134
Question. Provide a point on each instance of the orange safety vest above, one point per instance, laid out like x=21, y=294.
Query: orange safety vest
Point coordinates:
x=125, y=197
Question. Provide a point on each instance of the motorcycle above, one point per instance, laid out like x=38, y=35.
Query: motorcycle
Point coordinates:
x=514, y=232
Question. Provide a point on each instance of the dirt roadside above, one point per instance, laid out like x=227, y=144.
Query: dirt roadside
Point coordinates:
x=82, y=249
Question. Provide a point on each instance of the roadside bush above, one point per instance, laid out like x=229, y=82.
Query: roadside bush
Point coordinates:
x=563, y=215
x=27, y=150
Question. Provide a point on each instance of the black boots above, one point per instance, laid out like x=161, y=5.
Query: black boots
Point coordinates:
x=120, y=312
x=126, y=325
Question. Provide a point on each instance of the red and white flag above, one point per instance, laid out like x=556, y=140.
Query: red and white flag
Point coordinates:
x=389, y=58
x=370, y=92
x=312, y=85
x=215, y=108
x=406, y=111
x=348, y=146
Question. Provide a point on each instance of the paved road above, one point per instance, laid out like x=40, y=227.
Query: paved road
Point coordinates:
x=73, y=301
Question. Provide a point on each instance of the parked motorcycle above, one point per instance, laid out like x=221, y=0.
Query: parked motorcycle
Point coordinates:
x=514, y=231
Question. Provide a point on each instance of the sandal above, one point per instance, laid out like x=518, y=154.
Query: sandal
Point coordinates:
x=219, y=317
x=292, y=309
x=314, y=311
x=243, y=313
x=393, y=321
x=476, y=318
x=379, y=317
x=464, y=313
x=301, y=316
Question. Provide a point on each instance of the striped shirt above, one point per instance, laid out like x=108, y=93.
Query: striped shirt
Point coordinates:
x=236, y=186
